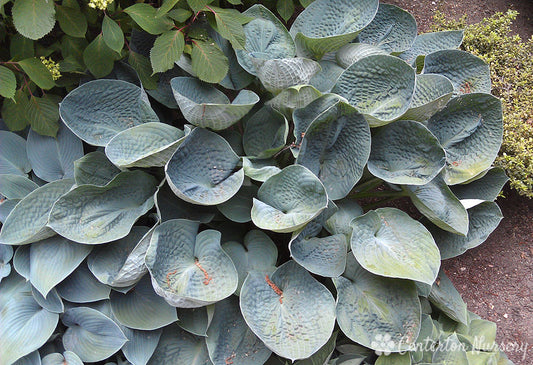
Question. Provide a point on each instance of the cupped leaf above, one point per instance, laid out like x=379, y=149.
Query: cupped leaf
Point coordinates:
x=437, y=202
x=468, y=73
x=205, y=106
x=392, y=29
x=406, y=152
x=82, y=287
x=259, y=170
x=379, y=86
x=98, y=214
x=98, y=110
x=24, y=326
x=279, y=74
x=16, y=186
x=196, y=320
x=470, y=130
x=238, y=208
x=94, y=169
x=265, y=133
x=380, y=313
x=169, y=206
x=27, y=221
x=52, y=260
x=179, y=347
x=266, y=38
x=240, y=345
x=141, y=308
x=270, y=305
x=294, y=97
x=257, y=253
x=432, y=42
x=90, y=334
x=204, y=170
x=13, y=158
x=34, y=18
x=336, y=146
x=483, y=189
x=141, y=345
x=67, y=358
x=189, y=269
x=146, y=145
x=326, y=78
x=387, y=242
x=288, y=200
x=432, y=93
x=483, y=219
x=52, y=302
x=316, y=34
x=121, y=263
x=353, y=52
x=53, y=158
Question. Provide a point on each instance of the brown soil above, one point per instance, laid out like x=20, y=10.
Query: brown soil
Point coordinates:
x=496, y=278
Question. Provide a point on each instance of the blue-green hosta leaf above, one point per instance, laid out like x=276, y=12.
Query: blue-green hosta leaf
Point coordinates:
x=483, y=219
x=484, y=358
x=293, y=97
x=52, y=260
x=204, y=170
x=259, y=253
x=34, y=18
x=21, y=261
x=270, y=306
x=450, y=352
x=27, y=221
x=339, y=222
x=32, y=358
x=145, y=145
x=377, y=312
x=468, y=73
x=392, y=29
x=266, y=38
x=82, y=287
x=90, y=334
x=336, y=146
x=234, y=139
x=205, y=106
x=279, y=74
x=141, y=345
x=486, y=188
x=406, y=152
x=6, y=207
x=436, y=201
x=470, y=130
x=288, y=200
x=53, y=158
x=237, y=346
x=11, y=286
x=16, y=186
x=13, y=158
x=121, y=263
x=98, y=110
x=432, y=42
x=95, y=169
x=67, y=358
x=24, y=326
x=196, y=320
x=446, y=298
x=265, y=133
x=323, y=355
x=141, y=308
x=238, y=208
x=259, y=170
x=353, y=52
x=98, y=214
x=163, y=93
x=388, y=242
x=189, y=269
x=52, y=302
x=317, y=34
x=379, y=86
x=326, y=78
x=177, y=346
x=432, y=93
x=6, y=253
x=169, y=206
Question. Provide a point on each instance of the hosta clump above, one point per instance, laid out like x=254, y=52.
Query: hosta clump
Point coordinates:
x=207, y=225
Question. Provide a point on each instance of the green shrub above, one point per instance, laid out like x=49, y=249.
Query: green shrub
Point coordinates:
x=511, y=65
x=176, y=221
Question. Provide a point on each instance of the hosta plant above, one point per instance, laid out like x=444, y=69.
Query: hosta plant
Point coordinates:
x=247, y=222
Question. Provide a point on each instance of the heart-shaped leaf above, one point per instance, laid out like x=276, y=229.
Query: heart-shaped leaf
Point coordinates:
x=269, y=305
x=388, y=242
x=67, y=358
x=279, y=74
x=204, y=170
x=189, y=269
x=52, y=302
